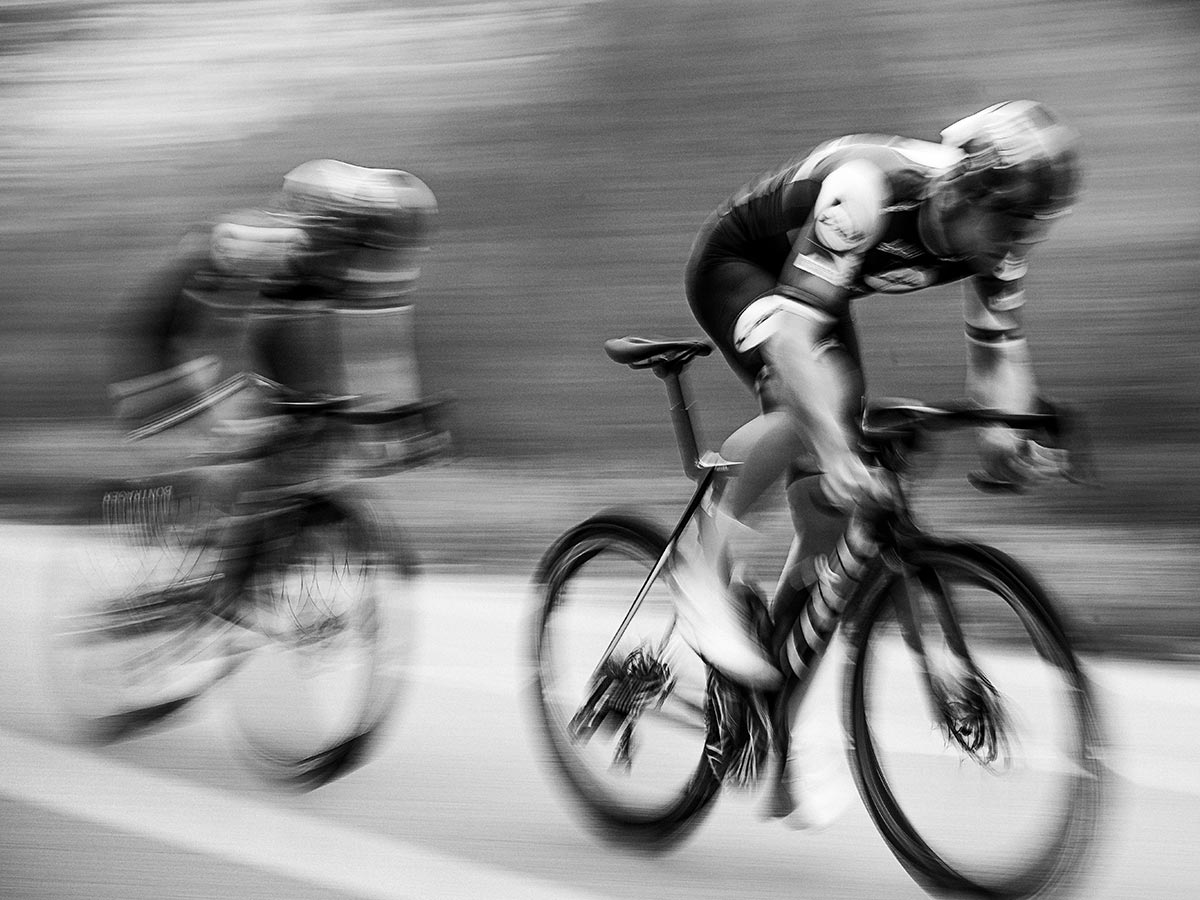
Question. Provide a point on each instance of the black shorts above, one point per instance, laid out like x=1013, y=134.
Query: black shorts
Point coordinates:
x=725, y=276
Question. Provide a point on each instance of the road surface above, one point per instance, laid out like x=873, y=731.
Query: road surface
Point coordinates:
x=459, y=801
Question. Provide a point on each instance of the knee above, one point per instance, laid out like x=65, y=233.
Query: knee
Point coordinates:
x=774, y=427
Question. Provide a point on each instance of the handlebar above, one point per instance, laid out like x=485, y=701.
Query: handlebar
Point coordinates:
x=893, y=428
x=279, y=398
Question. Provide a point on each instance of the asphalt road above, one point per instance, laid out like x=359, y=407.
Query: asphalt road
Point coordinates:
x=459, y=800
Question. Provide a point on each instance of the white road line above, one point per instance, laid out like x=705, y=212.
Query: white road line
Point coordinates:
x=232, y=828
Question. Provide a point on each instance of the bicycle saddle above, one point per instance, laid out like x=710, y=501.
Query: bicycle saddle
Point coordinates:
x=644, y=353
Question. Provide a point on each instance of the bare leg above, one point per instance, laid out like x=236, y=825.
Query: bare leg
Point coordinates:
x=810, y=386
x=765, y=446
x=818, y=528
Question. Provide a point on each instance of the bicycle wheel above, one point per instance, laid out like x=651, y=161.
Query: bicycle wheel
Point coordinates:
x=127, y=638
x=621, y=699
x=332, y=601
x=978, y=758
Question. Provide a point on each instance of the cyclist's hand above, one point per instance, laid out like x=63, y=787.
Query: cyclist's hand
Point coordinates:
x=1014, y=462
x=848, y=482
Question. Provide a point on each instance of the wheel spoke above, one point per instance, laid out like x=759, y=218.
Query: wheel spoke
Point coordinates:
x=996, y=793
x=335, y=616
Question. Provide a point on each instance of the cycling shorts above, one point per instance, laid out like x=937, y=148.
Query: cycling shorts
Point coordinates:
x=725, y=278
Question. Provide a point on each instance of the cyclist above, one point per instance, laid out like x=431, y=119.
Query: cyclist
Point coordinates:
x=337, y=234
x=771, y=277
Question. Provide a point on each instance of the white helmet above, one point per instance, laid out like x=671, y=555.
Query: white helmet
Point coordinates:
x=376, y=222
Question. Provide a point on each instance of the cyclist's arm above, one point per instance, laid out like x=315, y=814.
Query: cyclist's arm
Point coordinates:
x=999, y=367
x=820, y=387
x=1000, y=376
x=810, y=383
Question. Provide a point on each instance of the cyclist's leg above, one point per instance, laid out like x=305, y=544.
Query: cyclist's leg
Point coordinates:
x=765, y=446
x=810, y=787
x=772, y=444
x=818, y=527
x=719, y=286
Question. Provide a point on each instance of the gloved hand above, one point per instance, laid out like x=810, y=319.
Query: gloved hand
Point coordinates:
x=1014, y=462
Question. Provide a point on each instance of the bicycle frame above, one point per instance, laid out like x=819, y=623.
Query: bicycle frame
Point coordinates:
x=867, y=559
x=704, y=469
x=931, y=631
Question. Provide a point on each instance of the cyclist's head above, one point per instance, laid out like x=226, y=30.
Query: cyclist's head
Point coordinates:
x=1019, y=173
x=366, y=226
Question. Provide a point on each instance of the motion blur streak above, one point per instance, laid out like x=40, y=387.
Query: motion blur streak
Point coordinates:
x=345, y=859
x=575, y=146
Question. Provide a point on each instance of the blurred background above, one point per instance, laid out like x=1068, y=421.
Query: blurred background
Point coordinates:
x=575, y=147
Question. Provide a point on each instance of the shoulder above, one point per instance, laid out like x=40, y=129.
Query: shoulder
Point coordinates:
x=850, y=207
x=864, y=177
x=895, y=156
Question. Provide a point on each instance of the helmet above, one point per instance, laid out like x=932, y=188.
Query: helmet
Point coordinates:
x=259, y=245
x=385, y=207
x=1019, y=158
x=374, y=222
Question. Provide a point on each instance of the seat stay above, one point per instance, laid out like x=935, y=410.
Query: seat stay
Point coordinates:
x=701, y=491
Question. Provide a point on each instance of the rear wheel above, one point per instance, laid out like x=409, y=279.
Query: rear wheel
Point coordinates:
x=621, y=698
x=127, y=638
x=976, y=742
x=332, y=601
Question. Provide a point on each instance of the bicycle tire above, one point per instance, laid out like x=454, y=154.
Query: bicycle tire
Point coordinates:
x=125, y=637
x=1047, y=689
x=330, y=594
x=612, y=554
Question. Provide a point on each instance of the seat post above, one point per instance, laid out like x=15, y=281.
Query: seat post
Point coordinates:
x=681, y=419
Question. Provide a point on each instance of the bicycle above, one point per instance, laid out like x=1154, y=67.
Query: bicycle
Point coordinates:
x=259, y=561
x=958, y=675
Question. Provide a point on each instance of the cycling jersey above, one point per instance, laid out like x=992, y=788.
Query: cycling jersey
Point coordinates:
x=838, y=223
x=337, y=236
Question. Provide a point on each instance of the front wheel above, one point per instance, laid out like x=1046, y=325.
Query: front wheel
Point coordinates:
x=621, y=699
x=975, y=738
x=330, y=598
